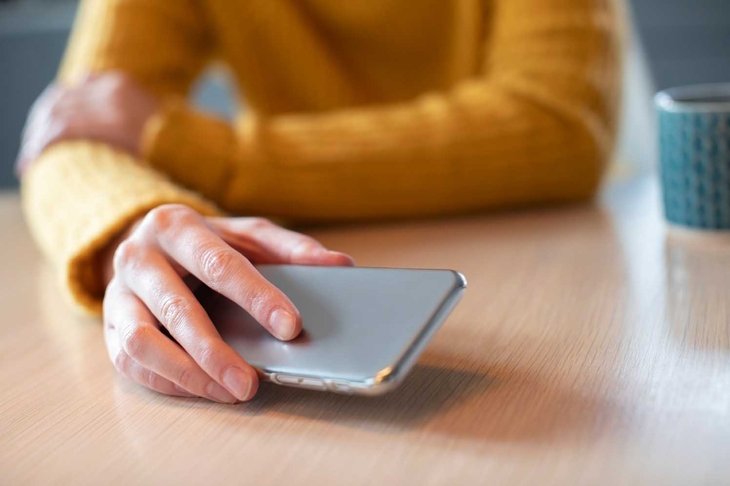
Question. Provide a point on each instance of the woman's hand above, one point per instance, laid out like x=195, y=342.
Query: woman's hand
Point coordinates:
x=109, y=107
x=147, y=292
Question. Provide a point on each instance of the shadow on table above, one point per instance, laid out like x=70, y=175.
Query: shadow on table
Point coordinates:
x=426, y=391
x=503, y=405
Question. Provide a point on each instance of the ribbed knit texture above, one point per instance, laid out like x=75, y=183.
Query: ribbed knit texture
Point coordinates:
x=356, y=110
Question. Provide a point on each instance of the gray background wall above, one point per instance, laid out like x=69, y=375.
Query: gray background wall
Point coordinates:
x=686, y=41
x=33, y=35
x=32, y=38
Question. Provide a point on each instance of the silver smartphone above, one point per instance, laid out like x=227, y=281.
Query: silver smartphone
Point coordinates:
x=364, y=328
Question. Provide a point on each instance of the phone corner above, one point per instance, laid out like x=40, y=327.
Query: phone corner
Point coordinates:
x=383, y=382
x=460, y=279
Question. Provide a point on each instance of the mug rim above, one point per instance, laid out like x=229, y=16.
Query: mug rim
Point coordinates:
x=671, y=99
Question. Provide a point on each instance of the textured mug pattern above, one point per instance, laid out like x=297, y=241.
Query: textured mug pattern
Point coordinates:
x=694, y=150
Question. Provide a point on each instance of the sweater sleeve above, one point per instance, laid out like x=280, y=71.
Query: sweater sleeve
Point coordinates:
x=537, y=125
x=78, y=196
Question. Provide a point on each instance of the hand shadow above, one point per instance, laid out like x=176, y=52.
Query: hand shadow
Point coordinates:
x=498, y=405
x=451, y=396
x=426, y=391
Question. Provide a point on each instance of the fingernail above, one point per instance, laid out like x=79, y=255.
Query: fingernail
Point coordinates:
x=284, y=324
x=218, y=393
x=345, y=256
x=238, y=382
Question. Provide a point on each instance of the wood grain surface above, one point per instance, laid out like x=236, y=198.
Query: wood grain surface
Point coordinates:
x=591, y=347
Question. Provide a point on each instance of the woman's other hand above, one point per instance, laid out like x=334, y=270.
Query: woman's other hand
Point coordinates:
x=147, y=292
x=109, y=107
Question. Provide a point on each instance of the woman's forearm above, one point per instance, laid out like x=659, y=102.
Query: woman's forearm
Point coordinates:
x=536, y=126
x=79, y=196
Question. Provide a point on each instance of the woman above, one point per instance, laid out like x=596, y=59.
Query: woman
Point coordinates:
x=358, y=110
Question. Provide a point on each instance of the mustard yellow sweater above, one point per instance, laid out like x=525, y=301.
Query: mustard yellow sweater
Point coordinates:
x=356, y=109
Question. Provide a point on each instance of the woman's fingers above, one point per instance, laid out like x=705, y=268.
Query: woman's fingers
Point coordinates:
x=186, y=238
x=127, y=367
x=148, y=274
x=265, y=242
x=140, y=351
x=143, y=376
x=174, y=242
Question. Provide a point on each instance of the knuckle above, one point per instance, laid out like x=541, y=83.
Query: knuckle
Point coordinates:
x=174, y=311
x=216, y=264
x=122, y=363
x=115, y=79
x=260, y=302
x=186, y=378
x=112, y=290
x=168, y=216
x=135, y=341
x=303, y=244
x=60, y=128
x=153, y=380
x=259, y=223
x=207, y=355
x=127, y=254
x=106, y=83
x=58, y=115
x=52, y=106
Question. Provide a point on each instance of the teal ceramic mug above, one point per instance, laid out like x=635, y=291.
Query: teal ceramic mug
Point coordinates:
x=694, y=155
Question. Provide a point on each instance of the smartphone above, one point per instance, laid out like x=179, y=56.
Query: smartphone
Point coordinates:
x=363, y=328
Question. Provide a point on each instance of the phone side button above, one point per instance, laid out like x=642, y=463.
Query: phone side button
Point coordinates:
x=311, y=383
x=340, y=387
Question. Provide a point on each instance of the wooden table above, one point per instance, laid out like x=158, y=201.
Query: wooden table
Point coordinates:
x=589, y=348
